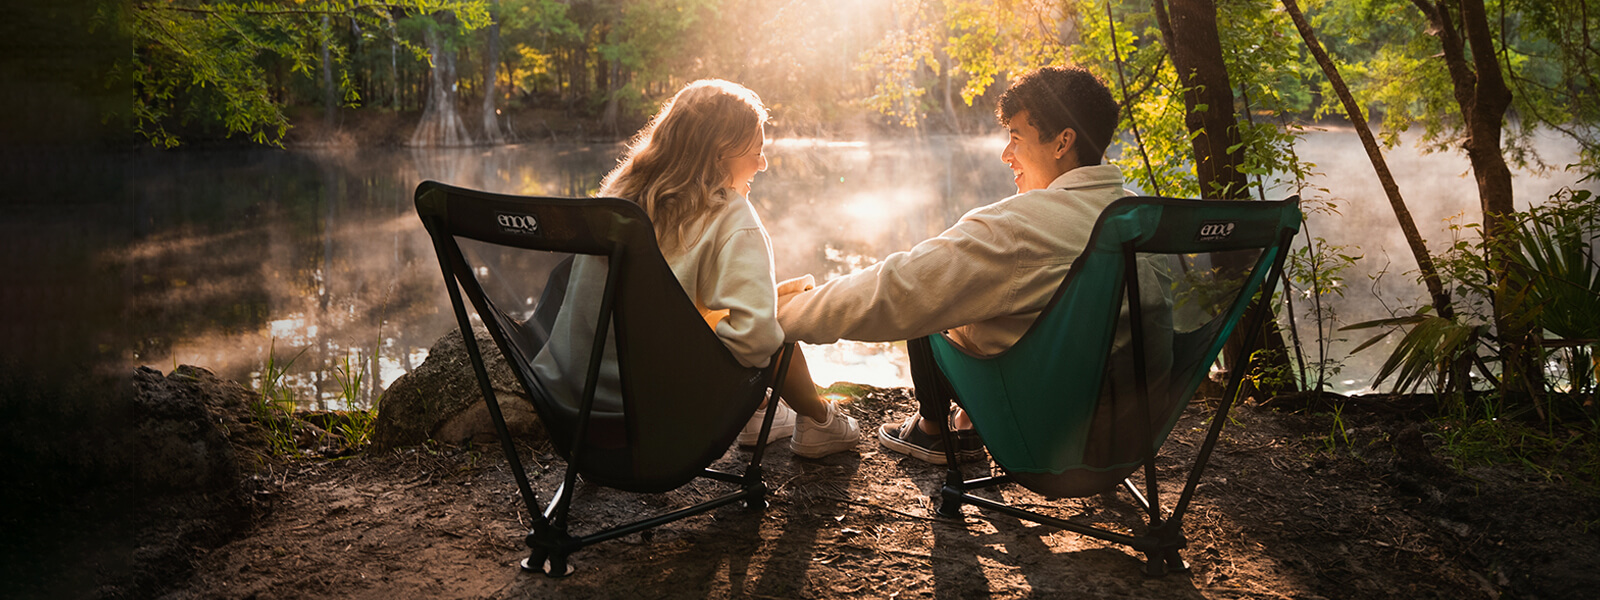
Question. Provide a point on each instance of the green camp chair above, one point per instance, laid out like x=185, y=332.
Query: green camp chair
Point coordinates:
x=1091, y=391
x=684, y=397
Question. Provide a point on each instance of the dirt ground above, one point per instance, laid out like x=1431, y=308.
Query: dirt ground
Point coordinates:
x=1278, y=515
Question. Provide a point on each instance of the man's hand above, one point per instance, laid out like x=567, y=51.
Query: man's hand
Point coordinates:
x=788, y=288
x=799, y=284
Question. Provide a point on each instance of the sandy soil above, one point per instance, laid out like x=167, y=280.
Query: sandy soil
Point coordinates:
x=1281, y=514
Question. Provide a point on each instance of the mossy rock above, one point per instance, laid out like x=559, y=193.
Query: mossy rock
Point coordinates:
x=441, y=401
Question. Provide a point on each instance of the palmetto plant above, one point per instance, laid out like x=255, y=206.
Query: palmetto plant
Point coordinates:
x=1554, y=256
x=1558, y=258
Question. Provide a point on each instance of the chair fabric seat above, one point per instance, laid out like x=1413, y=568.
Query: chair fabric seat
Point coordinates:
x=684, y=396
x=1061, y=401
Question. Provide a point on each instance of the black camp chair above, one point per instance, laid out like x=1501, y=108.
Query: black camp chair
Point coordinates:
x=1092, y=390
x=684, y=396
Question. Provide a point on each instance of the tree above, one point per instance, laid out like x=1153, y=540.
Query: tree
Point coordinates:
x=1481, y=92
x=441, y=123
x=201, y=61
x=972, y=41
x=1189, y=31
x=491, y=59
x=1419, y=246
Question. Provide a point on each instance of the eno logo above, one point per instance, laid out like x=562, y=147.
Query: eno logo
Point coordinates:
x=511, y=223
x=1211, y=231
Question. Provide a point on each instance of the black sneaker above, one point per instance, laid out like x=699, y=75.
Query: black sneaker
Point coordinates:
x=906, y=438
x=968, y=444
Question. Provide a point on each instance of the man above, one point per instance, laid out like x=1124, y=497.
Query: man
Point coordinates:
x=985, y=280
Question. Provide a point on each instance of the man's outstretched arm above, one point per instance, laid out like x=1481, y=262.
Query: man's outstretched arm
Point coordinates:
x=962, y=276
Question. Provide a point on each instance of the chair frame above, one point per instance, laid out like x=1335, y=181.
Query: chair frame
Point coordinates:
x=1163, y=540
x=549, y=539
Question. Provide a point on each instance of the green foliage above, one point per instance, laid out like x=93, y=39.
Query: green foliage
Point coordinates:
x=648, y=41
x=1268, y=370
x=1267, y=67
x=1390, y=58
x=1475, y=439
x=1430, y=346
x=1554, y=257
x=1146, y=85
x=206, y=62
x=355, y=427
x=1557, y=259
x=1557, y=240
x=898, y=60
x=354, y=424
x=1318, y=270
x=1338, y=433
x=974, y=42
x=533, y=32
x=274, y=406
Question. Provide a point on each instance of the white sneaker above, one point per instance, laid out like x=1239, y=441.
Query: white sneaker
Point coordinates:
x=816, y=440
x=782, y=425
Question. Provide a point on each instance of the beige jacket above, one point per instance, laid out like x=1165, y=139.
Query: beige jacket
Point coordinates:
x=985, y=280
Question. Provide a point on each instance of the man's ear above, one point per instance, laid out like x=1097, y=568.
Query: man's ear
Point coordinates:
x=1064, y=141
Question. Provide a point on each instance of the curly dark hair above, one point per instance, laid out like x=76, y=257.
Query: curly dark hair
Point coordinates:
x=1059, y=98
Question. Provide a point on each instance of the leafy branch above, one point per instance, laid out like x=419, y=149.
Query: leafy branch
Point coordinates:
x=205, y=61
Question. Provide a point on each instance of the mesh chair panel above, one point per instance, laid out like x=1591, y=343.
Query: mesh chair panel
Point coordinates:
x=671, y=397
x=1063, y=410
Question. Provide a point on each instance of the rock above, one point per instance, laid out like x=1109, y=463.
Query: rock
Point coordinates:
x=441, y=401
x=185, y=428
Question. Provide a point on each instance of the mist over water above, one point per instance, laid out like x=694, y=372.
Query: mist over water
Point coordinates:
x=224, y=258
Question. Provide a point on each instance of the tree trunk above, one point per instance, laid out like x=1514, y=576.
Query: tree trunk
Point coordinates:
x=441, y=123
x=1190, y=35
x=394, y=73
x=1189, y=32
x=608, y=79
x=1419, y=247
x=330, y=102
x=1481, y=92
x=608, y=119
x=948, y=82
x=491, y=116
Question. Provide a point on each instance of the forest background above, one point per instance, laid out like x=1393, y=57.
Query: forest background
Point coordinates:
x=1216, y=95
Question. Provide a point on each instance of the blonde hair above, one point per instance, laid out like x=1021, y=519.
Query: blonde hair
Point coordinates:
x=673, y=168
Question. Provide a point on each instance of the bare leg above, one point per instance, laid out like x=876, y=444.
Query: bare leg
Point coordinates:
x=799, y=392
x=959, y=418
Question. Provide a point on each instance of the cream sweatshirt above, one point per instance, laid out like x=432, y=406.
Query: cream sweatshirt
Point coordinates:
x=984, y=280
x=724, y=265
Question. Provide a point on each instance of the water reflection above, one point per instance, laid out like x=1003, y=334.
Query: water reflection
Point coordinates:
x=224, y=258
x=228, y=258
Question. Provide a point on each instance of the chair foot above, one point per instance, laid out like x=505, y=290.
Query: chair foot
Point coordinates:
x=1159, y=563
x=950, y=503
x=1154, y=566
x=756, y=496
x=1175, y=562
x=553, y=567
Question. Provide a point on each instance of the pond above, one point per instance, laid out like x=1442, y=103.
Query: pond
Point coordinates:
x=229, y=258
